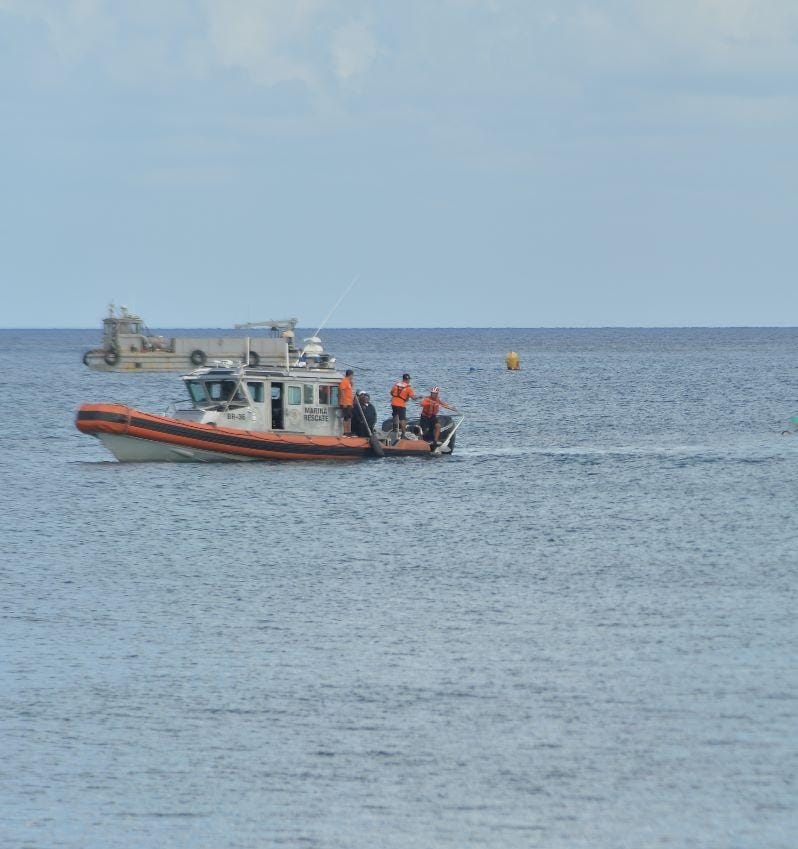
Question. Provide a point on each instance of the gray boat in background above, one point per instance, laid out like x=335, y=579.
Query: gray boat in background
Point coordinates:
x=128, y=345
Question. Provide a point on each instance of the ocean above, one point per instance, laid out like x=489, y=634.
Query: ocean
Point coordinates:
x=577, y=632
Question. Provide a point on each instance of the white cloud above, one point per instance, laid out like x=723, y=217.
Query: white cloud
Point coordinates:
x=354, y=50
x=497, y=47
x=267, y=39
x=73, y=28
x=317, y=42
x=733, y=35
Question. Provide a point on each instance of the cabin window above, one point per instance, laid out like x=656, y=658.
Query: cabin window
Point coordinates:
x=197, y=391
x=308, y=393
x=256, y=392
x=294, y=394
x=328, y=395
x=223, y=390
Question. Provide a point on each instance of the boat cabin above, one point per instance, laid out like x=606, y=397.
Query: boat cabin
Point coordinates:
x=127, y=332
x=124, y=324
x=304, y=402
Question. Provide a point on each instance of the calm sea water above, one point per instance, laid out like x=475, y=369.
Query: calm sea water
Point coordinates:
x=577, y=631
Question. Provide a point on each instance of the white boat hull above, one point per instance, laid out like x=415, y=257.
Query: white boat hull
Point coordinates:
x=131, y=449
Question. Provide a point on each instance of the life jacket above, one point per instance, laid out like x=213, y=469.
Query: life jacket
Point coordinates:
x=430, y=407
x=400, y=392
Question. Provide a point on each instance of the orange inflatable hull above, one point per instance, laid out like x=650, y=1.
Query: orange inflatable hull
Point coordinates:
x=126, y=424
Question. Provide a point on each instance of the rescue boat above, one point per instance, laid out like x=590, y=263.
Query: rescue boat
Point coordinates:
x=239, y=412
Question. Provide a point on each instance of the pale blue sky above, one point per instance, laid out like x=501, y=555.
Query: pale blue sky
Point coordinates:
x=475, y=162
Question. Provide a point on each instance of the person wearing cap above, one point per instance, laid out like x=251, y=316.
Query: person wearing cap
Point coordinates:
x=430, y=406
x=346, y=398
x=401, y=393
x=363, y=425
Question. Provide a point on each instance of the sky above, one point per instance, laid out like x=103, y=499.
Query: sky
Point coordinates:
x=468, y=163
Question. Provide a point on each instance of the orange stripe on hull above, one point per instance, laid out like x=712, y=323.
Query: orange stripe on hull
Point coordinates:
x=121, y=420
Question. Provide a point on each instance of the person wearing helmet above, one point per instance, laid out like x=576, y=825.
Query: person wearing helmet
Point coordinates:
x=364, y=417
x=430, y=426
x=401, y=393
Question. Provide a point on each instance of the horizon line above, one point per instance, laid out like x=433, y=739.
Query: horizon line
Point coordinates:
x=473, y=327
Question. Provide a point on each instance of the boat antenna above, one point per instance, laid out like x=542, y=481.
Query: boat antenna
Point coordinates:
x=335, y=305
x=327, y=317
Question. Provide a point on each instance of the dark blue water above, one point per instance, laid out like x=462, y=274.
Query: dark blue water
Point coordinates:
x=577, y=631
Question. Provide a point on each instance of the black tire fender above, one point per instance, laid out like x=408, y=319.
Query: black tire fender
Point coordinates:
x=198, y=357
x=111, y=357
x=254, y=359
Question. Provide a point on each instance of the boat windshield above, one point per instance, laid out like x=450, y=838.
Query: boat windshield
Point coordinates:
x=213, y=392
x=197, y=391
x=220, y=391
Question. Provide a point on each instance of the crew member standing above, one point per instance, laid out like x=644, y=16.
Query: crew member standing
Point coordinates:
x=346, y=398
x=430, y=426
x=401, y=393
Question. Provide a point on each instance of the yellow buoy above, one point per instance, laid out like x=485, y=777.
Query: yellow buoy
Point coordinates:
x=513, y=363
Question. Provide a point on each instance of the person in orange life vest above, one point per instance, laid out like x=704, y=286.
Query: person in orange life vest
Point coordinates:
x=430, y=426
x=346, y=399
x=401, y=393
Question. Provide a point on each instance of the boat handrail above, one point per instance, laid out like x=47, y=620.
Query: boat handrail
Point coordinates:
x=225, y=405
x=272, y=324
x=451, y=433
x=172, y=406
